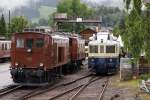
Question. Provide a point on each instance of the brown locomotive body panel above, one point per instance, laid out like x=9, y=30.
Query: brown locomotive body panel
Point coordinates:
x=77, y=49
x=48, y=55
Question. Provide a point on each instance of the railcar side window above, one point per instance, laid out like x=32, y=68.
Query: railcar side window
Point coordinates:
x=29, y=43
x=3, y=46
x=39, y=43
x=101, y=49
x=93, y=49
x=20, y=43
x=110, y=49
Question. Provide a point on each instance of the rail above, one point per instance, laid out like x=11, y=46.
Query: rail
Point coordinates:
x=44, y=89
x=9, y=89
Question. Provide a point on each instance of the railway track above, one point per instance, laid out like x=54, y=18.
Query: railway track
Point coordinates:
x=103, y=89
x=83, y=87
x=86, y=85
x=80, y=88
x=9, y=89
x=44, y=89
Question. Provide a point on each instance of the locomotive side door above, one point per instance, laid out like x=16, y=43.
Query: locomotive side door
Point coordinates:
x=55, y=56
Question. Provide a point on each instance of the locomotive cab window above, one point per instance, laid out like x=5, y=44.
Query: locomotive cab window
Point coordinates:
x=93, y=49
x=39, y=43
x=29, y=43
x=20, y=43
x=110, y=49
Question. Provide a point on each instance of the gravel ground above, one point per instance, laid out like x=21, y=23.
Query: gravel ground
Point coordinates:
x=5, y=77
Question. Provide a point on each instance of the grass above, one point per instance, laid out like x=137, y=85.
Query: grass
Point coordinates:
x=133, y=85
x=144, y=96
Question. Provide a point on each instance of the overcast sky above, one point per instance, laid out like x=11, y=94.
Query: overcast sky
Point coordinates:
x=12, y=4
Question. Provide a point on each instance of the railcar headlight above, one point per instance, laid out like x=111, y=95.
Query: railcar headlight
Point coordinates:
x=16, y=64
x=41, y=64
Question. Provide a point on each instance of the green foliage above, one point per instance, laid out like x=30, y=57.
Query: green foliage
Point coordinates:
x=74, y=8
x=3, y=28
x=135, y=30
x=145, y=77
x=17, y=24
x=110, y=15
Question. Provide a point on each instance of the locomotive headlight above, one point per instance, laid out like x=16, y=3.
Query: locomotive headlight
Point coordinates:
x=29, y=50
x=41, y=64
x=16, y=64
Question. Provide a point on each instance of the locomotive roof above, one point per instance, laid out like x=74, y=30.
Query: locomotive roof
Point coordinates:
x=52, y=35
x=62, y=35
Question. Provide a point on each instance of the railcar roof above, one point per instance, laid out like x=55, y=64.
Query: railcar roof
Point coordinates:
x=104, y=37
x=60, y=37
x=5, y=41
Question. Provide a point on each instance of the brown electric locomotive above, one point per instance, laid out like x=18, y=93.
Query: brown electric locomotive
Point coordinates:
x=39, y=57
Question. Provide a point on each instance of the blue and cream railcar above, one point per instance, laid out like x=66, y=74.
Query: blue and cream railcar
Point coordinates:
x=103, y=56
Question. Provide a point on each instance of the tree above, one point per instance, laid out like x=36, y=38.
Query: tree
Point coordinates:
x=110, y=15
x=3, y=28
x=17, y=24
x=135, y=34
x=74, y=8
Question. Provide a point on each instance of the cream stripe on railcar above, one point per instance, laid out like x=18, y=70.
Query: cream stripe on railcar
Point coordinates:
x=103, y=55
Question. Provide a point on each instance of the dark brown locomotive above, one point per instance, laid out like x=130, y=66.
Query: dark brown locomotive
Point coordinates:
x=5, y=46
x=38, y=57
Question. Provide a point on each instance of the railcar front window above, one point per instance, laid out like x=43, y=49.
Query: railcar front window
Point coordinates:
x=39, y=43
x=110, y=49
x=20, y=43
x=101, y=49
x=29, y=43
x=93, y=49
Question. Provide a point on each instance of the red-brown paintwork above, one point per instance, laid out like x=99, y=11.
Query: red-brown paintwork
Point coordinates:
x=48, y=54
x=77, y=48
